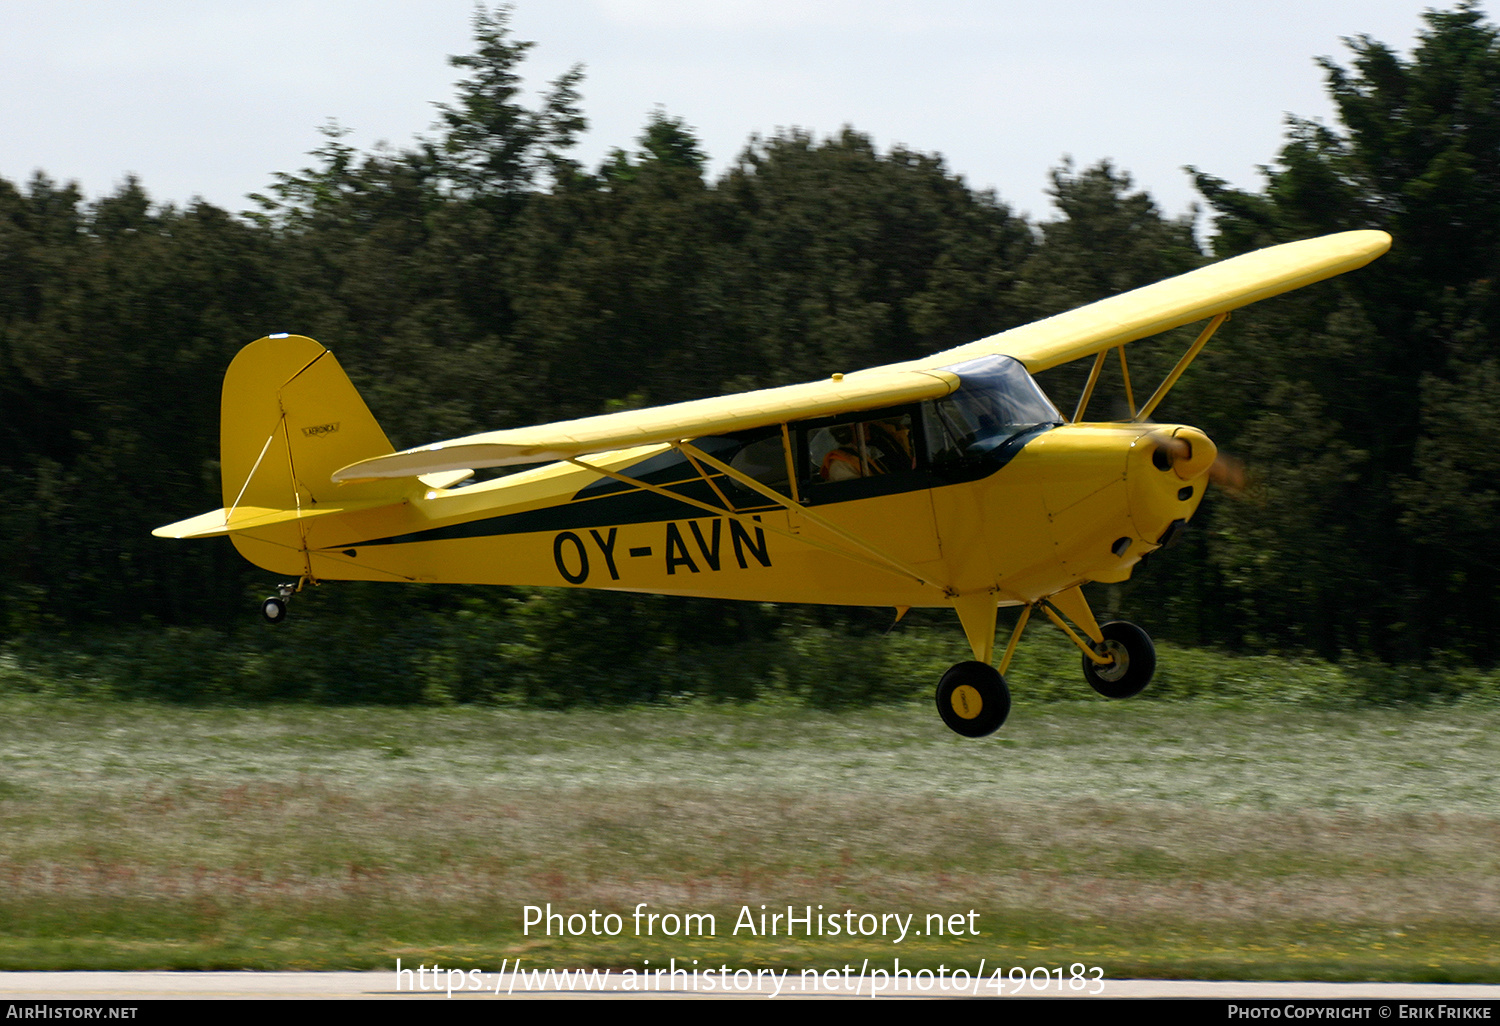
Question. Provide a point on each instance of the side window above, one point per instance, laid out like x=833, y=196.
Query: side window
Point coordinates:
x=765, y=461
x=861, y=449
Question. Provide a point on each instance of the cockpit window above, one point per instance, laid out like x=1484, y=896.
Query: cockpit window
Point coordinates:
x=996, y=408
x=996, y=401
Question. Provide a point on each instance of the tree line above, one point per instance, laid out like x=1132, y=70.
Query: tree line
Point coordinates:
x=483, y=278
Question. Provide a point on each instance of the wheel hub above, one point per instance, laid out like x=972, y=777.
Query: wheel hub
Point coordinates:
x=1119, y=662
x=966, y=701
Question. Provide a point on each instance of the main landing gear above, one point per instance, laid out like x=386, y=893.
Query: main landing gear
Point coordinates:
x=973, y=699
x=1132, y=661
x=274, y=608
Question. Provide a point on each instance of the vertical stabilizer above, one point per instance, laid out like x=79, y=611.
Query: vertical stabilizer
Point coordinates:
x=290, y=418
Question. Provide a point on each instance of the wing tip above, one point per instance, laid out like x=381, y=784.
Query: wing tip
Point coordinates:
x=204, y=525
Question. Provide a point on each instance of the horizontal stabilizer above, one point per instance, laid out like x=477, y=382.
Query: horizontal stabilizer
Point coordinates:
x=447, y=479
x=249, y=518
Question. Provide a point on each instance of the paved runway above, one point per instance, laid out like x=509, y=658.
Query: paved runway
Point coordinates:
x=386, y=985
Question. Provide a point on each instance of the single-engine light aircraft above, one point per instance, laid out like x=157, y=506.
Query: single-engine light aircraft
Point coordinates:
x=951, y=480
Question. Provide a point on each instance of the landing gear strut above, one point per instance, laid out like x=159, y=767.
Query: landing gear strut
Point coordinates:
x=972, y=698
x=274, y=608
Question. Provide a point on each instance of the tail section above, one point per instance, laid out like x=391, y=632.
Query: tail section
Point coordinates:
x=289, y=418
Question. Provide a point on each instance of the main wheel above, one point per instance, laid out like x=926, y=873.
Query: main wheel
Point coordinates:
x=1133, y=666
x=273, y=609
x=972, y=699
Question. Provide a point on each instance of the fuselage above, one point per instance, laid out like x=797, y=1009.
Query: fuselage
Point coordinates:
x=1054, y=506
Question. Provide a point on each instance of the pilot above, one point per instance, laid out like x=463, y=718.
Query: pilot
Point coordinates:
x=863, y=450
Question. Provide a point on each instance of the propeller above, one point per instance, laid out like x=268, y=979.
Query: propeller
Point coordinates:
x=1229, y=474
x=1189, y=452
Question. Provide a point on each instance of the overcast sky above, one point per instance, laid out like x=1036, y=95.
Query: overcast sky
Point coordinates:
x=210, y=97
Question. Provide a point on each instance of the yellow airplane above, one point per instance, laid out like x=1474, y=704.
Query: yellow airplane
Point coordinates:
x=951, y=480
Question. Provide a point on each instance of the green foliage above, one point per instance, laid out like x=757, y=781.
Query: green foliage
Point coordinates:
x=1392, y=548
x=493, y=147
x=603, y=273
x=1106, y=240
x=845, y=258
x=105, y=367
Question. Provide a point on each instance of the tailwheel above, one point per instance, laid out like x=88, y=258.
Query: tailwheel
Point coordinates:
x=972, y=699
x=1132, y=661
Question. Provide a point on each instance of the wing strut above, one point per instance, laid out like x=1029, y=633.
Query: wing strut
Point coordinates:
x=706, y=478
x=889, y=562
x=1182, y=365
x=869, y=555
x=1144, y=413
x=1088, y=389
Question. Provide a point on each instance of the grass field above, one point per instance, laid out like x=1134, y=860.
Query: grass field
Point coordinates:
x=1148, y=839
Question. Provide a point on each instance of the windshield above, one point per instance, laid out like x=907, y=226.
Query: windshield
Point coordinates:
x=995, y=402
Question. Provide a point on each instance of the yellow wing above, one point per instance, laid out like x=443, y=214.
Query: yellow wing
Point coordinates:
x=1086, y=331
x=1195, y=296
x=881, y=386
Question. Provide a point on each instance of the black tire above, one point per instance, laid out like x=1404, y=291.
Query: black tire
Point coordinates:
x=1134, y=661
x=273, y=609
x=972, y=699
